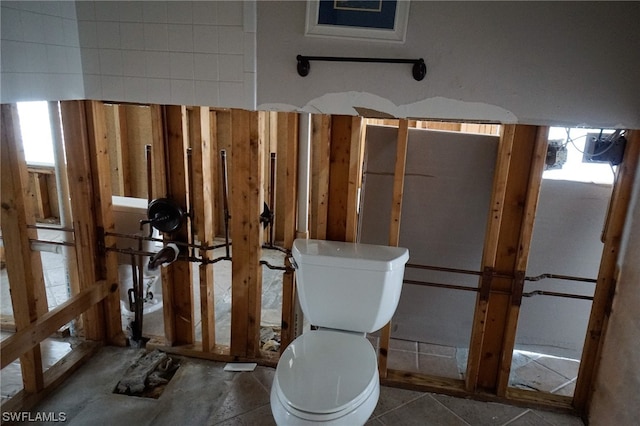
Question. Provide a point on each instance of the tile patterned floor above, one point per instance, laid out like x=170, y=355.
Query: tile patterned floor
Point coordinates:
x=201, y=393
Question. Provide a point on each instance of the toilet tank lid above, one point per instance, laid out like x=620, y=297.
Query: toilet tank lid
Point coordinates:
x=349, y=255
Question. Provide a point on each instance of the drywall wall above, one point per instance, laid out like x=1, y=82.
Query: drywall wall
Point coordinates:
x=40, y=51
x=529, y=62
x=447, y=192
x=445, y=207
x=616, y=398
x=566, y=241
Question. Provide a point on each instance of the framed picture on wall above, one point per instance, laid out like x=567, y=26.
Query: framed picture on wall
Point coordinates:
x=383, y=20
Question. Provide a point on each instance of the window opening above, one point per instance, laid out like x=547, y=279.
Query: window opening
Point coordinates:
x=36, y=132
x=574, y=155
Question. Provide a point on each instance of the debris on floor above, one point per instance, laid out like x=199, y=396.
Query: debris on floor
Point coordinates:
x=270, y=339
x=240, y=366
x=148, y=375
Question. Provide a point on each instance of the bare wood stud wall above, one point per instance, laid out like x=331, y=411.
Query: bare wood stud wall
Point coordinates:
x=179, y=273
x=345, y=156
x=107, y=264
x=82, y=197
x=320, y=156
x=514, y=189
x=394, y=226
x=200, y=126
x=288, y=154
x=246, y=201
x=24, y=267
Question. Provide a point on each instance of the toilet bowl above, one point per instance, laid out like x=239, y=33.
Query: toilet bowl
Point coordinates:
x=326, y=376
x=330, y=375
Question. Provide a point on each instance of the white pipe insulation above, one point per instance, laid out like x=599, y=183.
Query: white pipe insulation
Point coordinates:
x=304, y=168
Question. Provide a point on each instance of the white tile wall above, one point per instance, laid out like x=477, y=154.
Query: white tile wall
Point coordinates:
x=40, y=51
x=175, y=52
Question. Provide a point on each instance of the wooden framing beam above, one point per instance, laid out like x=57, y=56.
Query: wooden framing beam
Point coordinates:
x=24, y=267
x=122, y=168
x=320, y=155
x=394, y=226
x=515, y=190
x=537, y=163
x=181, y=323
x=246, y=233
x=606, y=281
x=82, y=196
x=345, y=162
x=107, y=263
x=288, y=154
x=30, y=336
x=204, y=160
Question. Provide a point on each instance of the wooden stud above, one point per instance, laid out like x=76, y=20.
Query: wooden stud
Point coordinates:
x=320, y=154
x=288, y=152
x=81, y=193
x=24, y=268
x=606, y=281
x=394, y=226
x=345, y=149
x=246, y=233
x=223, y=142
x=108, y=263
x=515, y=165
x=179, y=272
x=526, y=233
x=121, y=169
x=204, y=159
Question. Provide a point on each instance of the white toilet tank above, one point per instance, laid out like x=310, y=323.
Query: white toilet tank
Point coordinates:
x=348, y=286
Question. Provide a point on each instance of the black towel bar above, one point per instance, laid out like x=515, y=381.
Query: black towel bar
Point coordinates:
x=419, y=70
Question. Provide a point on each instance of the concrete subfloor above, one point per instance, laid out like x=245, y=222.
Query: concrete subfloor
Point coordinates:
x=201, y=393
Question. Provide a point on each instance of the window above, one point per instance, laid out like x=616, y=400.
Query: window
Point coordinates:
x=36, y=132
x=575, y=169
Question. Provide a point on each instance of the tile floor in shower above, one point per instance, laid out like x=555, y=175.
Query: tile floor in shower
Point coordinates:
x=529, y=370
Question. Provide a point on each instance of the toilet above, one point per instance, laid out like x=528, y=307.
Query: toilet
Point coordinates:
x=330, y=375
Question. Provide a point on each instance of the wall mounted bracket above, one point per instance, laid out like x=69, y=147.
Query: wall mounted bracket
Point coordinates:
x=419, y=70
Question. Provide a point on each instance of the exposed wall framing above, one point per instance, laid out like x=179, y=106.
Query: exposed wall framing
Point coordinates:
x=96, y=134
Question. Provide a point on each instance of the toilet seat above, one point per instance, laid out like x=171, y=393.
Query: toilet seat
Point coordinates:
x=325, y=374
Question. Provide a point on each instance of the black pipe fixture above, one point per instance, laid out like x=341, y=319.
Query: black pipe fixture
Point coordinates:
x=419, y=69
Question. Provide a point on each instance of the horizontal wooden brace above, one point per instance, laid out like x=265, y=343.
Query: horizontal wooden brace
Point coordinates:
x=22, y=341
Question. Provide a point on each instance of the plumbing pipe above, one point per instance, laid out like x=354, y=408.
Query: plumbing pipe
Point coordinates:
x=62, y=188
x=225, y=199
x=272, y=196
x=191, y=213
x=304, y=166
